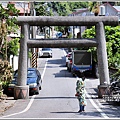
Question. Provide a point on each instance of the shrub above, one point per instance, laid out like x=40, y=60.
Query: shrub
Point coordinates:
x=6, y=74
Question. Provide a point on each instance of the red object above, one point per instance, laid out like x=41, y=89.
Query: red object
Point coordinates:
x=76, y=94
x=70, y=61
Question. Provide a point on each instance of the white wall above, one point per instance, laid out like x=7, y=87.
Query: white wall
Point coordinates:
x=14, y=62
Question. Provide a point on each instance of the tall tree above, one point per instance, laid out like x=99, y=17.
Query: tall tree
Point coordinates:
x=7, y=25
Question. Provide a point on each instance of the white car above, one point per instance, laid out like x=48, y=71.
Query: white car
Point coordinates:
x=46, y=52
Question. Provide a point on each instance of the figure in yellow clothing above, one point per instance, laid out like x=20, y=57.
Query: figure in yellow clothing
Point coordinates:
x=80, y=93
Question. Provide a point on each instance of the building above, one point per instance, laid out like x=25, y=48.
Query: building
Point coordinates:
x=111, y=10
x=82, y=12
x=107, y=8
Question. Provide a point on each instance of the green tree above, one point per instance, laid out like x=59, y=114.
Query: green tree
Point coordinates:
x=6, y=75
x=77, y=5
x=7, y=25
x=12, y=47
x=65, y=8
x=112, y=44
x=43, y=9
x=59, y=9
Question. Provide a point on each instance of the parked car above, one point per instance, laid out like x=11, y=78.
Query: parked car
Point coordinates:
x=33, y=80
x=59, y=35
x=67, y=57
x=46, y=52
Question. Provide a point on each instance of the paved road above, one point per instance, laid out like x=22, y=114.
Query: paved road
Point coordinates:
x=56, y=99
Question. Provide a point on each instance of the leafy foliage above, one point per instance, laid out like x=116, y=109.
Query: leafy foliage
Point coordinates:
x=12, y=47
x=58, y=9
x=112, y=44
x=7, y=25
x=6, y=74
x=65, y=8
x=42, y=9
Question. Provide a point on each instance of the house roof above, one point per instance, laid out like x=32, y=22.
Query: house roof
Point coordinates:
x=78, y=11
x=117, y=8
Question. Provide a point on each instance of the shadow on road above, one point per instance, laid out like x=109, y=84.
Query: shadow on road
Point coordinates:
x=93, y=114
x=55, y=97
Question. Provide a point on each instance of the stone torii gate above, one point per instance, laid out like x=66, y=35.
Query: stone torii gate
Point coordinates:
x=21, y=91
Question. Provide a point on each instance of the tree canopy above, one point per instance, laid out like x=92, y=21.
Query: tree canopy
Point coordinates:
x=112, y=43
x=7, y=25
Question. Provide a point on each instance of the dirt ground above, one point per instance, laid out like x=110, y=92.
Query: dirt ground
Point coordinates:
x=6, y=103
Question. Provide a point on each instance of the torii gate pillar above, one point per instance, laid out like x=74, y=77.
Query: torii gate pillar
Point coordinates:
x=21, y=91
x=102, y=59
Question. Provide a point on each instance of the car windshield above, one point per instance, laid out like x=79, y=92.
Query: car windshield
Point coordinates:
x=46, y=49
x=30, y=73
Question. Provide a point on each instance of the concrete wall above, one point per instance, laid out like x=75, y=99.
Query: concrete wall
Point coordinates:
x=14, y=62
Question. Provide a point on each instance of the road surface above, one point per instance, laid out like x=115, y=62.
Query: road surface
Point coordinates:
x=57, y=97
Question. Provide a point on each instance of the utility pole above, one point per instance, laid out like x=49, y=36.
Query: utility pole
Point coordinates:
x=33, y=35
x=24, y=8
